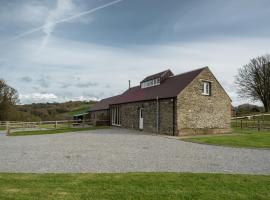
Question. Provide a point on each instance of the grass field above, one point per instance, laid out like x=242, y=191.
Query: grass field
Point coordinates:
x=79, y=110
x=2, y=128
x=54, y=131
x=239, y=138
x=134, y=186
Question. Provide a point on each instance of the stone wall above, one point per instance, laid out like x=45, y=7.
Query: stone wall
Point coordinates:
x=201, y=114
x=130, y=116
x=100, y=116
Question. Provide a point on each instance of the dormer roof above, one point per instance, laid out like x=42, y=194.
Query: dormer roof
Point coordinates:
x=162, y=75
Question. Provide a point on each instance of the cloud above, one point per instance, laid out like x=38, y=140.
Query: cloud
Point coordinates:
x=26, y=79
x=65, y=85
x=86, y=84
x=107, y=86
x=63, y=8
x=37, y=98
x=94, y=96
x=27, y=12
x=51, y=98
x=44, y=81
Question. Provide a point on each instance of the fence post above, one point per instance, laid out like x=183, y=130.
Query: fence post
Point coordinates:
x=7, y=128
x=259, y=125
x=55, y=124
x=241, y=125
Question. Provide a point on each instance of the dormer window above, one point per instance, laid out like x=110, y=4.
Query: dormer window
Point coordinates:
x=156, y=79
x=150, y=83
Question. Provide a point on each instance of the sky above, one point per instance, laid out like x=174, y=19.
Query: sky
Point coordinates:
x=61, y=50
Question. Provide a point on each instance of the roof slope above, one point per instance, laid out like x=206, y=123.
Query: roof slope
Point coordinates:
x=104, y=103
x=171, y=87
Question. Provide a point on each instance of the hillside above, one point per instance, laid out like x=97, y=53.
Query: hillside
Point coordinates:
x=52, y=111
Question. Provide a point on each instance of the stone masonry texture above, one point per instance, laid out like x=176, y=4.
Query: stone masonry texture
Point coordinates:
x=130, y=115
x=199, y=114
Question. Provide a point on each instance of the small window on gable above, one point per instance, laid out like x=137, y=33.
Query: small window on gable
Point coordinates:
x=206, y=88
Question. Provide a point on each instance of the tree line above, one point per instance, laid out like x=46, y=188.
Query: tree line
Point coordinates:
x=9, y=98
x=10, y=110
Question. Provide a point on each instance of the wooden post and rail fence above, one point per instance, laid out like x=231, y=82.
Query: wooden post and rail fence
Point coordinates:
x=259, y=122
x=43, y=125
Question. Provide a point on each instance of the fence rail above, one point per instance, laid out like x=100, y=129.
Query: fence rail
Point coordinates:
x=43, y=125
x=259, y=125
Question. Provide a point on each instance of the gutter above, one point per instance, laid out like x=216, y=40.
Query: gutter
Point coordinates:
x=157, y=116
x=173, y=116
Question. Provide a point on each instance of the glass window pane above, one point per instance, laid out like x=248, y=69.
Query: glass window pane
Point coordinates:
x=117, y=116
x=119, y=121
x=113, y=116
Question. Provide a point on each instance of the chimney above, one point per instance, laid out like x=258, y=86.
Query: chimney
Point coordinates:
x=128, y=84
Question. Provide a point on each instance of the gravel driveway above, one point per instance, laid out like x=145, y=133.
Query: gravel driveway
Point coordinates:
x=121, y=150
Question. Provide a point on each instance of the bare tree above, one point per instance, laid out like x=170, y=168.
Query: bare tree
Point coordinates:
x=8, y=99
x=253, y=81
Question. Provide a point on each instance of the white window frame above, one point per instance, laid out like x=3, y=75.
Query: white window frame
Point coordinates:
x=206, y=88
x=115, y=116
x=151, y=83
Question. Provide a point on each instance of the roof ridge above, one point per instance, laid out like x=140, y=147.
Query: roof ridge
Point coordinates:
x=156, y=74
x=190, y=71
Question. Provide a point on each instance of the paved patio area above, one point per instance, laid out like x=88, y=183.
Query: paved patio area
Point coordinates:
x=121, y=150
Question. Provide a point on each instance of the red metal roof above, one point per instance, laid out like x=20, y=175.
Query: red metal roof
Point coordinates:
x=171, y=87
x=104, y=103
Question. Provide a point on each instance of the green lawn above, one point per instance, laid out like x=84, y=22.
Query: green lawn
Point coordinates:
x=245, y=138
x=54, y=131
x=2, y=128
x=134, y=186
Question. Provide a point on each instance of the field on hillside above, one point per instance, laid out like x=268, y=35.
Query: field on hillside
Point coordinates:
x=52, y=111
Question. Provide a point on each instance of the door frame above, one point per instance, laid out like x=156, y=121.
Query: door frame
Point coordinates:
x=141, y=119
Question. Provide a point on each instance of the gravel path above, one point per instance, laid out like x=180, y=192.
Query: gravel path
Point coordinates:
x=121, y=150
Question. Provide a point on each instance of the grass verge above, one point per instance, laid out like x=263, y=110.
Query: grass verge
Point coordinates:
x=134, y=186
x=245, y=138
x=55, y=131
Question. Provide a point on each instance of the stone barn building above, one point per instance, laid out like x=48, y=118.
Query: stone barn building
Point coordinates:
x=190, y=103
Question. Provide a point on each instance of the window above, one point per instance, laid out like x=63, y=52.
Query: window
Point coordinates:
x=115, y=116
x=150, y=83
x=206, y=88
